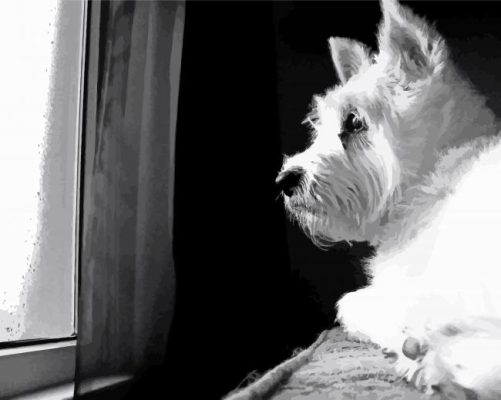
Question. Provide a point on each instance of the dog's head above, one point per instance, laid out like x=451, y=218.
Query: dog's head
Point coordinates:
x=369, y=133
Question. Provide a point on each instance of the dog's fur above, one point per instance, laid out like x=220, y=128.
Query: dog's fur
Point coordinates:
x=418, y=179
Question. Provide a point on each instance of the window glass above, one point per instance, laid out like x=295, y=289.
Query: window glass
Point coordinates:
x=41, y=45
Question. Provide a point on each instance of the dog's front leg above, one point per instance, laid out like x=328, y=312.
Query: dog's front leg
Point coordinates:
x=370, y=314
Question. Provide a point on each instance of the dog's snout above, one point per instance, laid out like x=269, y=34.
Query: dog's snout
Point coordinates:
x=288, y=180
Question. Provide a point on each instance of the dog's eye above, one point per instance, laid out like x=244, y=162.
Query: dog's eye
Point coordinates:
x=353, y=123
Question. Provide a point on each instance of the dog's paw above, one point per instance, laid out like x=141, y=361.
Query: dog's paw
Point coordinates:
x=419, y=365
x=411, y=371
x=431, y=378
x=408, y=363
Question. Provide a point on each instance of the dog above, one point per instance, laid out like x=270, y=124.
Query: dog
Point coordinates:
x=406, y=155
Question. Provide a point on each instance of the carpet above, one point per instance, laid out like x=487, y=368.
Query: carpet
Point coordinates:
x=334, y=367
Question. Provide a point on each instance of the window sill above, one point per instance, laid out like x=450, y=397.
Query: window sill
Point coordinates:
x=65, y=391
x=30, y=367
x=47, y=371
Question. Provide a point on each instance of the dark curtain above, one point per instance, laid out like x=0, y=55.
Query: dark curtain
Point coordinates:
x=127, y=278
x=235, y=311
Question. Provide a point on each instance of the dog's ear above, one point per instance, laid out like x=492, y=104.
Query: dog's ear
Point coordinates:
x=409, y=38
x=349, y=56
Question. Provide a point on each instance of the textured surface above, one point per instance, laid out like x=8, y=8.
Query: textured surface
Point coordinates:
x=334, y=367
x=341, y=368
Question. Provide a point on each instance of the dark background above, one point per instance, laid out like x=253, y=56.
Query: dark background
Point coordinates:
x=251, y=288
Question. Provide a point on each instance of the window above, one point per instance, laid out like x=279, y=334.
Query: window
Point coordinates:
x=41, y=72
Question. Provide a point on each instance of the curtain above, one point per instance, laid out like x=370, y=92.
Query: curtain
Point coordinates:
x=236, y=314
x=126, y=280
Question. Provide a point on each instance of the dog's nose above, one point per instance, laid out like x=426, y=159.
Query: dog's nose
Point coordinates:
x=288, y=180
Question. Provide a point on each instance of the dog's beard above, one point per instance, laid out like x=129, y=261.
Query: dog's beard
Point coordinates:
x=343, y=196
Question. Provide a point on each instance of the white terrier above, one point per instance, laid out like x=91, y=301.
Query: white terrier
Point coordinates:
x=405, y=155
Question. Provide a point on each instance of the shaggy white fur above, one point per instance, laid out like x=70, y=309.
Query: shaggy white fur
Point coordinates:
x=405, y=155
